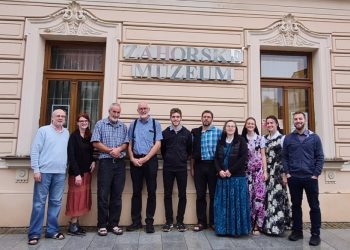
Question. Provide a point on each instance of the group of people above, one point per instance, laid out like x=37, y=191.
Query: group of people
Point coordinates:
x=246, y=175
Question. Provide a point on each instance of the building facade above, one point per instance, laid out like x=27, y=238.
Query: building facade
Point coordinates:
x=236, y=58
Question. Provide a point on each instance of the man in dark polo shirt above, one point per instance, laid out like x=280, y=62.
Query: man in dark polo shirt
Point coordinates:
x=145, y=135
x=176, y=149
x=110, y=138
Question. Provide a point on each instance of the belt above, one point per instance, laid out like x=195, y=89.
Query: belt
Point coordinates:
x=113, y=160
x=139, y=156
x=206, y=161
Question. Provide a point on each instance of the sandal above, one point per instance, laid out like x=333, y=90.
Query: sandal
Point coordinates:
x=102, y=231
x=256, y=232
x=58, y=236
x=33, y=241
x=117, y=230
x=198, y=228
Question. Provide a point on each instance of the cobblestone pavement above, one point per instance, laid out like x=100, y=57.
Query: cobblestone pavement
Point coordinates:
x=334, y=236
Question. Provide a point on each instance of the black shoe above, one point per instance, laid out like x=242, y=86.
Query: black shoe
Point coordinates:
x=315, y=240
x=82, y=231
x=73, y=229
x=294, y=236
x=181, y=227
x=133, y=227
x=149, y=228
x=167, y=227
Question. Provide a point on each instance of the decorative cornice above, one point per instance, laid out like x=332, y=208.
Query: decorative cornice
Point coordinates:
x=289, y=33
x=74, y=21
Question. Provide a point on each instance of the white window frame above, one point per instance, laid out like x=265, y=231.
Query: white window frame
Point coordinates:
x=290, y=35
x=69, y=24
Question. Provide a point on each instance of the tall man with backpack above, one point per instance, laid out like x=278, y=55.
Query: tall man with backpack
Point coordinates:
x=145, y=135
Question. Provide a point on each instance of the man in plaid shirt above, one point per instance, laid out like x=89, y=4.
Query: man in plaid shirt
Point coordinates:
x=205, y=139
x=110, y=137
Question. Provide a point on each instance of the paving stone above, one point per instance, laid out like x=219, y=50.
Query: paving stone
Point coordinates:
x=150, y=238
x=174, y=245
x=80, y=242
x=245, y=242
x=342, y=233
x=126, y=246
x=218, y=242
x=128, y=238
x=196, y=240
x=103, y=242
x=173, y=236
x=10, y=239
x=150, y=241
x=331, y=239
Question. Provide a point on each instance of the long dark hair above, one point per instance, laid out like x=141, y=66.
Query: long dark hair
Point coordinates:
x=245, y=131
x=276, y=120
x=224, y=134
x=87, y=133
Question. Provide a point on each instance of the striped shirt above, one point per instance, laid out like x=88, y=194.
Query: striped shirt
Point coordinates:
x=209, y=140
x=111, y=135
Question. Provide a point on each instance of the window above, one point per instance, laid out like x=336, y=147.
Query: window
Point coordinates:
x=286, y=87
x=73, y=80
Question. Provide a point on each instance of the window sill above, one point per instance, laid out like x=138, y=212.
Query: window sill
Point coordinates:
x=337, y=164
x=15, y=162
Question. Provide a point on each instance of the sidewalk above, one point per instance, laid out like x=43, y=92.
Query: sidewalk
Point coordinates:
x=14, y=238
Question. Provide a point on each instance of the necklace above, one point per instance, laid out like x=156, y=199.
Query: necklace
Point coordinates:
x=229, y=140
x=250, y=137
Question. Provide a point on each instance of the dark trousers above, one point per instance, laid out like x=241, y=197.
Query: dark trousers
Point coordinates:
x=181, y=180
x=148, y=171
x=110, y=186
x=296, y=187
x=205, y=175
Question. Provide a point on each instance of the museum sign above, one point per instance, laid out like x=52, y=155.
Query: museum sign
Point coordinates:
x=207, y=64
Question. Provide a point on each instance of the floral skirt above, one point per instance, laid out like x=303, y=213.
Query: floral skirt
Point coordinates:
x=231, y=207
x=79, y=197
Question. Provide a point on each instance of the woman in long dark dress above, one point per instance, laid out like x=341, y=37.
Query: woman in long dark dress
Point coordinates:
x=81, y=165
x=231, y=201
x=278, y=213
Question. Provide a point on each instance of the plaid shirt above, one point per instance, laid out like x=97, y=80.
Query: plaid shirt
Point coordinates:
x=111, y=135
x=209, y=140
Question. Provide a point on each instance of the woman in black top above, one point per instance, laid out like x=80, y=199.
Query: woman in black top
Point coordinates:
x=231, y=202
x=81, y=165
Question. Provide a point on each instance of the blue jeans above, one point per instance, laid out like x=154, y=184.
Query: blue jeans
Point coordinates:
x=296, y=186
x=51, y=185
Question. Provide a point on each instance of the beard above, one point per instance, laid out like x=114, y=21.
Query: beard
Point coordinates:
x=206, y=123
x=299, y=126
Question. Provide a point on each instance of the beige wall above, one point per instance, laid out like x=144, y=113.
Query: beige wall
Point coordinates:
x=12, y=48
x=341, y=93
x=16, y=201
x=175, y=23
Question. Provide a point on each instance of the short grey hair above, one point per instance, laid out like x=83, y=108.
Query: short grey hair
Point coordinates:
x=114, y=104
x=56, y=111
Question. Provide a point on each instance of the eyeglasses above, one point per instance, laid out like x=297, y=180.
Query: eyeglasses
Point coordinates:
x=83, y=121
